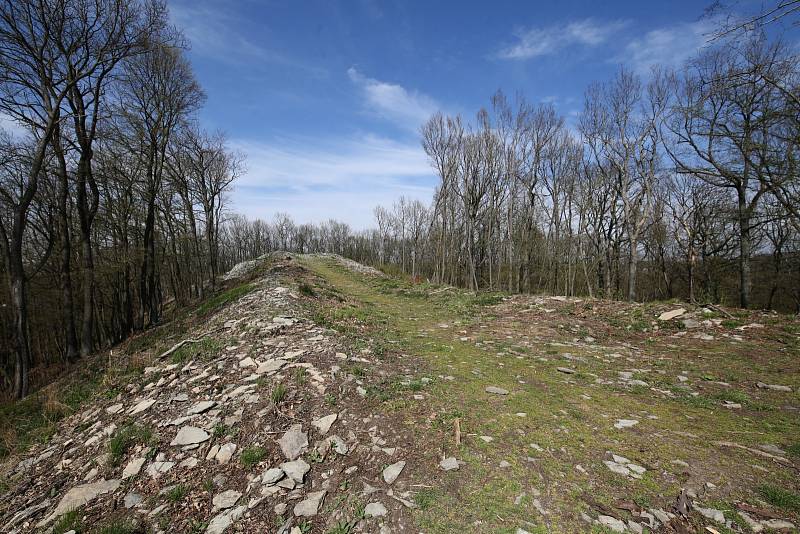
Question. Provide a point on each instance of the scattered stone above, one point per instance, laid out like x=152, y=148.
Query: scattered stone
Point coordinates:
x=221, y=522
x=566, y=370
x=296, y=470
x=133, y=468
x=393, y=471
x=142, y=406
x=666, y=316
x=190, y=435
x=310, y=506
x=201, y=407
x=132, y=499
x=323, y=424
x=774, y=387
x=612, y=523
x=496, y=390
x=625, y=423
x=114, y=409
x=225, y=453
x=271, y=476
x=80, y=496
x=294, y=442
x=226, y=499
x=375, y=509
x=449, y=464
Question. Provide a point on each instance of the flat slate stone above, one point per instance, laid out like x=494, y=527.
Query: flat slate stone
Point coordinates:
x=294, y=442
x=323, y=424
x=393, y=471
x=496, y=390
x=80, y=496
x=449, y=464
x=190, y=435
x=310, y=506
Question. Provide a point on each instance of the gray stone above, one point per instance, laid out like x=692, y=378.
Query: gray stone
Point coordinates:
x=310, y=506
x=612, y=523
x=132, y=499
x=296, y=470
x=294, y=442
x=142, y=406
x=226, y=499
x=271, y=476
x=133, y=467
x=225, y=453
x=190, y=435
x=221, y=522
x=323, y=424
x=270, y=366
x=393, y=471
x=449, y=464
x=375, y=509
x=666, y=316
x=496, y=390
x=80, y=496
x=565, y=370
x=201, y=407
x=625, y=423
x=774, y=387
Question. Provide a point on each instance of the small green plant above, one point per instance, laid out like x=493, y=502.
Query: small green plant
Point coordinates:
x=226, y=297
x=125, y=438
x=780, y=498
x=208, y=484
x=69, y=521
x=196, y=527
x=253, y=455
x=305, y=527
x=359, y=371
x=307, y=290
x=425, y=498
x=330, y=399
x=220, y=430
x=278, y=394
x=794, y=449
x=300, y=375
x=122, y=526
x=177, y=493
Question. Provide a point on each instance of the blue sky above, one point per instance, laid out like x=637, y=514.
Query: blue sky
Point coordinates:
x=325, y=97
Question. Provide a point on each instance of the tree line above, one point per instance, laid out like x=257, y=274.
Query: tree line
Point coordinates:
x=679, y=185
x=111, y=195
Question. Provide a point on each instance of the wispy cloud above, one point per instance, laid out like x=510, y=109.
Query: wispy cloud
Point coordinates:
x=317, y=179
x=217, y=34
x=395, y=103
x=669, y=46
x=543, y=41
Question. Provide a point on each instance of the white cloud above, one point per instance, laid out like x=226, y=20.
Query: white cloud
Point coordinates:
x=669, y=46
x=536, y=42
x=216, y=34
x=408, y=109
x=316, y=179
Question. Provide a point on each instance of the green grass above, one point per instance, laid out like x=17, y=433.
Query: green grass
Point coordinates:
x=69, y=521
x=780, y=498
x=205, y=349
x=223, y=299
x=125, y=438
x=278, y=393
x=121, y=526
x=251, y=456
x=572, y=430
x=307, y=290
x=177, y=493
x=794, y=449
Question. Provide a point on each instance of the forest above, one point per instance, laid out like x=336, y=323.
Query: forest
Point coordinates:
x=114, y=201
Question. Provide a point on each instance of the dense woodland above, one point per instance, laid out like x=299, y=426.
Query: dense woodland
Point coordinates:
x=678, y=184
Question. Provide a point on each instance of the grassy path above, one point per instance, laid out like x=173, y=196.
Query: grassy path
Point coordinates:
x=534, y=458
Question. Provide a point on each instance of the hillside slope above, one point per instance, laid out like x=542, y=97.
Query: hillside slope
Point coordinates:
x=320, y=396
